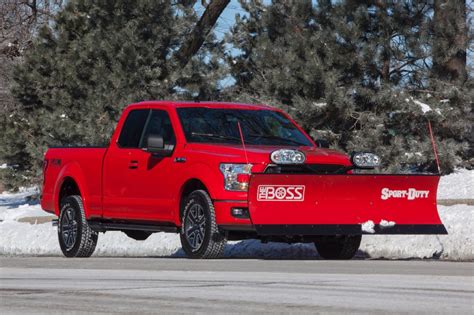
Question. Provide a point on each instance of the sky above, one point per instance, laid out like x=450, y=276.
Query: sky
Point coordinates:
x=224, y=24
x=227, y=18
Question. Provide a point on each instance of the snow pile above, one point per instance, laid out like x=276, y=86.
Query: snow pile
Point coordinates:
x=14, y=206
x=368, y=226
x=458, y=185
x=41, y=240
x=21, y=238
x=21, y=196
x=22, y=211
x=457, y=245
x=385, y=223
x=17, y=238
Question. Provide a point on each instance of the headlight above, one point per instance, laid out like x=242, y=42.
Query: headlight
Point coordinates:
x=287, y=156
x=236, y=176
x=365, y=160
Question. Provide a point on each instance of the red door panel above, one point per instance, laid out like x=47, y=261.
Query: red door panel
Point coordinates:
x=137, y=185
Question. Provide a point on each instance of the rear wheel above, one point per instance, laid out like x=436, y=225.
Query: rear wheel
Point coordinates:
x=338, y=247
x=200, y=236
x=76, y=238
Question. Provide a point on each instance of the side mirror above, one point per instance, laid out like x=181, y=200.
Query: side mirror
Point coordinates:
x=156, y=146
x=321, y=143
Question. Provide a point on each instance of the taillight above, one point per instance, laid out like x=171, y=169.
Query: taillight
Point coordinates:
x=45, y=165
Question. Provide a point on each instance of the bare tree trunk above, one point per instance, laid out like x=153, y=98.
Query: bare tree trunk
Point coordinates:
x=386, y=55
x=200, y=31
x=450, y=40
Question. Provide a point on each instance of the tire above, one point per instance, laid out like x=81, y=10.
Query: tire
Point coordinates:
x=199, y=233
x=76, y=238
x=338, y=247
x=137, y=235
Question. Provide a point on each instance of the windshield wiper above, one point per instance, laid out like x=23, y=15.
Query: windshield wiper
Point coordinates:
x=277, y=138
x=214, y=135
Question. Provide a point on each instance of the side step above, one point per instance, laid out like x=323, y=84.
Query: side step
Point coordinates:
x=100, y=226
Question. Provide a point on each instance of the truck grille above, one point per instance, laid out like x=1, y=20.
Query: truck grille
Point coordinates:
x=306, y=169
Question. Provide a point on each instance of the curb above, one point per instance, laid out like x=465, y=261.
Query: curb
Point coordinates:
x=452, y=202
x=37, y=220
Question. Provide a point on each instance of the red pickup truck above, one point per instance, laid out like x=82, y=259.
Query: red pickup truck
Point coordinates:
x=214, y=172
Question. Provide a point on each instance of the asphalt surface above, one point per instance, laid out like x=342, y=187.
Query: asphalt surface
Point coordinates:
x=172, y=285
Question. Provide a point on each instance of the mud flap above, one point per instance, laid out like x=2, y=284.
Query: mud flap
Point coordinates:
x=344, y=204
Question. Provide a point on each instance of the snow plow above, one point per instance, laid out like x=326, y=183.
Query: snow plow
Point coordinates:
x=304, y=204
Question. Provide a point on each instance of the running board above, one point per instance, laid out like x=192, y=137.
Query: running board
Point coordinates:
x=100, y=226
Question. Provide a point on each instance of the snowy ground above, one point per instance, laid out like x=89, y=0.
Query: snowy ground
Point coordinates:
x=22, y=238
x=458, y=185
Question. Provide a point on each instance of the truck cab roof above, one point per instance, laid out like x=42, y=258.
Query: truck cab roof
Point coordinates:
x=205, y=104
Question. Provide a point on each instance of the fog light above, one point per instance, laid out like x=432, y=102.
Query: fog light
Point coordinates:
x=241, y=213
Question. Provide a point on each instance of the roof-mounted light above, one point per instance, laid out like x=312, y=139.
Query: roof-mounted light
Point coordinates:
x=365, y=160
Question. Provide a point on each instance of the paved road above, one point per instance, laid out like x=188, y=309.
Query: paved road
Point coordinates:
x=169, y=285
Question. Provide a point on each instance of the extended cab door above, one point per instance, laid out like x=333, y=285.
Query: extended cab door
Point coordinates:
x=137, y=184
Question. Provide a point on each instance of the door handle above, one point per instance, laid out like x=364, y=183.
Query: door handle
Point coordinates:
x=180, y=160
x=133, y=164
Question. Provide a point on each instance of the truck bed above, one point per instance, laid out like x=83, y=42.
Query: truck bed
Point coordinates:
x=61, y=161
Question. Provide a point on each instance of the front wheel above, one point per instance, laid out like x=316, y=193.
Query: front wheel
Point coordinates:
x=76, y=238
x=338, y=247
x=200, y=236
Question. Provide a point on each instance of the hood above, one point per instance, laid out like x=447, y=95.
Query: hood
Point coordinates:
x=257, y=154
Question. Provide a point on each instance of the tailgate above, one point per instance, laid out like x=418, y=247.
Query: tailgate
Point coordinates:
x=344, y=204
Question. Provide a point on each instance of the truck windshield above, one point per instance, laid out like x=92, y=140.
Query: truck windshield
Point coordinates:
x=260, y=127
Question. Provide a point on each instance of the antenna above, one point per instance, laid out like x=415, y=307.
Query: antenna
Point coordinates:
x=434, y=146
x=243, y=142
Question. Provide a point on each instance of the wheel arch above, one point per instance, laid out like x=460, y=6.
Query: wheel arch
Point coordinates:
x=69, y=187
x=71, y=182
x=188, y=187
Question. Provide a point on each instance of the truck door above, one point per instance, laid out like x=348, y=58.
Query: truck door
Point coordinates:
x=137, y=184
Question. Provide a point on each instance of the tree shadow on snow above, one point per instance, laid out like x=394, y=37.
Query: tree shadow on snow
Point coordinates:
x=15, y=202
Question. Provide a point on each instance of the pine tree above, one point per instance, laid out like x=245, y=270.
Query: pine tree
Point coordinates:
x=355, y=73
x=450, y=40
x=98, y=57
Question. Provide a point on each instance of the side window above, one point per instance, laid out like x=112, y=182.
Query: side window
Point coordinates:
x=133, y=128
x=159, y=124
